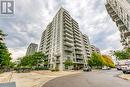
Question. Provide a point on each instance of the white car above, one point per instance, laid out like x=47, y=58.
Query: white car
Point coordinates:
x=125, y=69
x=106, y=68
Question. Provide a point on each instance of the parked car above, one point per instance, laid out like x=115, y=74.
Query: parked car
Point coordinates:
x=118, y=67
x=106, y=68
x=126, y=69
x=122, y=63
x=87, y=69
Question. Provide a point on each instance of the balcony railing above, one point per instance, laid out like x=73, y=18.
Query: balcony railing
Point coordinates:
x=78, y=52
x=57, y=60
x=78, y=48
x=68, y=49
x=69, y=35
x=68, y=39
x=126, y=34
x=77, y=34
x=78, y=44
x=79, y=58
x=79, y=62
x=68, y=43
x=68, y=31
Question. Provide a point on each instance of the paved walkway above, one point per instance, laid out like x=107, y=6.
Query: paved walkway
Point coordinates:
x=32, y=79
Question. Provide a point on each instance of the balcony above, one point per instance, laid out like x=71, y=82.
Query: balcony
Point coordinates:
x=122, y=40
x=123, y=27
x=114, y=17
x=68, y=34
x=124, y=43
x=108, y=7
x=78, y=44
x=74, y=22
x=78, y=52
x=57, y=60
x=77, y=33
x=68, y=23
x=77, y=37
x=75, y=26
x=68, y=49
x=67, y=20
x=113, y=13
x=68, y=39
x=88, y=53
x=79, y=62
x=126, y=34
x=77, y=40
x=68, y=44
x=67, y=26
x=78, y=48
x=66, y=14
x=118, y=22
x=79, y=58
x=68, y=31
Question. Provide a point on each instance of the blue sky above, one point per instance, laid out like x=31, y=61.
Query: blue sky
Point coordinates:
x=32, y=16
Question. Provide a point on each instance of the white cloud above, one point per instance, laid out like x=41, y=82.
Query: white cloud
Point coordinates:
x=17, y=52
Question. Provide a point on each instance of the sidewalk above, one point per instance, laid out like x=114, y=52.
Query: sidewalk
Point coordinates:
x=124, y=76
x=34, y=78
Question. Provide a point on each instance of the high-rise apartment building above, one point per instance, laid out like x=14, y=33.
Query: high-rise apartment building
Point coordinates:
x=62, y=40
x=1, y=37
x=95, y=49
x=119, y=11
x=32, y=48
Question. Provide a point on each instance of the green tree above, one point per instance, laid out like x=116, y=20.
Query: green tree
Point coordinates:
x=68, y=63
x=108, y=61
x=32, y=60
x=5, y=59
x=96, y=60
x=121, y=54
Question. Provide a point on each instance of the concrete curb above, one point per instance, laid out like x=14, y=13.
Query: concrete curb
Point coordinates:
x=128, y=79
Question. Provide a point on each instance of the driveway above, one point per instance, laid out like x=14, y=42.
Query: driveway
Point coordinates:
x=104, y=78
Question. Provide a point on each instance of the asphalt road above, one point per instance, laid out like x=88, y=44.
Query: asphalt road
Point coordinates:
x=104, y=78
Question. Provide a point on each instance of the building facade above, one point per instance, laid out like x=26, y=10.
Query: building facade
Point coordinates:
x=1, y=37
x=95, y=49
x=32, y=48
x=119, y=11
x=62, y=40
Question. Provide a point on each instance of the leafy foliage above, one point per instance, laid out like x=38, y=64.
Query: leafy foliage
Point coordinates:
x=121, y=54
x=33, y=60
x=108, y=61
x=5, y=59
x=96, y=60
x=68, y=63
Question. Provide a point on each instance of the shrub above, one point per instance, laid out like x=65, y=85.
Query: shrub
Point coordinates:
x=40, y=68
